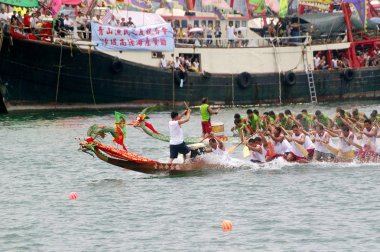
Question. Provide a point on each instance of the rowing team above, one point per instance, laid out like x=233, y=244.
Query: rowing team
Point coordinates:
x=304, y=138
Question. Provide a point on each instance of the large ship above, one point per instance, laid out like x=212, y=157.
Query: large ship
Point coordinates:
x=257, y=69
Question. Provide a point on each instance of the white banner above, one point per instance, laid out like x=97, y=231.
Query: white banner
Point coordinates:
x=157, y=37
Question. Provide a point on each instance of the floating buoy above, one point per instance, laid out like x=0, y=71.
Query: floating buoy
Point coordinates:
x=226, y=225
x=73, y=195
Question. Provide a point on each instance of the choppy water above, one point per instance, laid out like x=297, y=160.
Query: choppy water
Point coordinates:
x=278, y=207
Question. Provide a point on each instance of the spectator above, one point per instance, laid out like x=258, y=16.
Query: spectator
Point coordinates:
x=163, y=62
x=322, y=64
x=96, y=19
x=68, y=23
x=130, y=23
x=112, y=21
x=3, y=18
x=177, y=63
x=14, y=19
x=218, y=34
x=230, y=34
x=271, y=29
x=195, y=66
x=317, y=59
x=81, y=24
x=209, y=32
x=123, y=22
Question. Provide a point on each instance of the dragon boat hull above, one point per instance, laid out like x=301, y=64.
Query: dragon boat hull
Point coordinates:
x=37, y=75
x=133, y=162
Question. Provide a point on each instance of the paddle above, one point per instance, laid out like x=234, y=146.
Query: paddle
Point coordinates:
x=233, y=148
x=302, y=149
x=245, y=149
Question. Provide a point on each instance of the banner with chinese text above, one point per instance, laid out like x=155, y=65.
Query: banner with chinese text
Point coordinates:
x=158, y=37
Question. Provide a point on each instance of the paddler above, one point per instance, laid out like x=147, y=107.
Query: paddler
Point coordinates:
x=253, y=120
x=346, y=143
x=257, y=146
x=321, y=118
x=241, y=128
x=299, y=143
x=309, y=122
x=216, y=147
x=322, y=139
x=281, y=146
x=206, y=113
x=177, y=145
x=284, y=121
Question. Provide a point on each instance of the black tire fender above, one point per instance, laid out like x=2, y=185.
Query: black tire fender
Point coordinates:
x=348, y=74
x=244, y=80
x=116, y=66
x=289, y=78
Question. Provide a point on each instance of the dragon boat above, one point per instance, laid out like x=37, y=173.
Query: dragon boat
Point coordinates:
x=131, y=161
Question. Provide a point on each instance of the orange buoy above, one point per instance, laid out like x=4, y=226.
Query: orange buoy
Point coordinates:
x=226, y=225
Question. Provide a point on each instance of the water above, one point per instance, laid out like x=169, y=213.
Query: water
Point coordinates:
x=277, y=207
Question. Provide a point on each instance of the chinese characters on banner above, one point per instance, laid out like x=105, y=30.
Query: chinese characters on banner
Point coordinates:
x=144, y=38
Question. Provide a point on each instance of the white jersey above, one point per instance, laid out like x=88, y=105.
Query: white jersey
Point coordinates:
x=343, y=145
x=295, y=149
x=218, y=151
x=367, y=139
x=280, y=148
x=308, y=143
x=176, y=133
x=319, y=146
x=256, y=156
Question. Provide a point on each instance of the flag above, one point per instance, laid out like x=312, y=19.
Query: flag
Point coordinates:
x=283, y=8
x=361, y=8
x=120, y=127
x=257, y=6
x=55, y=7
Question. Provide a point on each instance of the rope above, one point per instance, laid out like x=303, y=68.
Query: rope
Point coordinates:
x=58, y=77
x=90, y=73
x=279, y=72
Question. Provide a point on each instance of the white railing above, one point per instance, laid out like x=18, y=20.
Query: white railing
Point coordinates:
x=242, y=42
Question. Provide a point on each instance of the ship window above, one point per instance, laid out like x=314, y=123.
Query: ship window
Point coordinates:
x=237, y=24
x=210, y=22
x=196, y=23
x=184, y=23
x=244, y=23
x=176, y=24
x=156, y=55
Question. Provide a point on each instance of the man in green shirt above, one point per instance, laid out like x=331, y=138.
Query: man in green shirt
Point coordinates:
x=206, y=113
x=321, y=118
x=253, y=120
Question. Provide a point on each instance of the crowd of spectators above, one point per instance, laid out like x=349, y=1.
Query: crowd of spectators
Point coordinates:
x=210, y=35
x=366, y=57
x=182, y=63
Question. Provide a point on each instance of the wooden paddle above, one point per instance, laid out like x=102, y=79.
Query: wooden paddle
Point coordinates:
x=302, y=149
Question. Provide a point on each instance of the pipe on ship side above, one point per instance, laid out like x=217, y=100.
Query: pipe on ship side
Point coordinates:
x=3, y=108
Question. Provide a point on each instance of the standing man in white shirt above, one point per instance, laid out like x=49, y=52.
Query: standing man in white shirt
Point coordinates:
x=177, y=144
x=3, y=17
x=230, y=35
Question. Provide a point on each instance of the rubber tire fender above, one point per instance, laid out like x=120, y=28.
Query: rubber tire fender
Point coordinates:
x=244, y=80
x=348, y=74
x=289, y=78
x=116, y=66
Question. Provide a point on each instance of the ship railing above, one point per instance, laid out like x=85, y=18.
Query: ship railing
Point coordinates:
x=242, y=42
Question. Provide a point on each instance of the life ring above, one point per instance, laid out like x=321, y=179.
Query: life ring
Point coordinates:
x=180, y=75
x=348, y=74
x=117, y=66
x=289, y=78
x=244, y=80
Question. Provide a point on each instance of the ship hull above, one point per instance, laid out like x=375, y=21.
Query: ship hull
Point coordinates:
x=39, y=74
